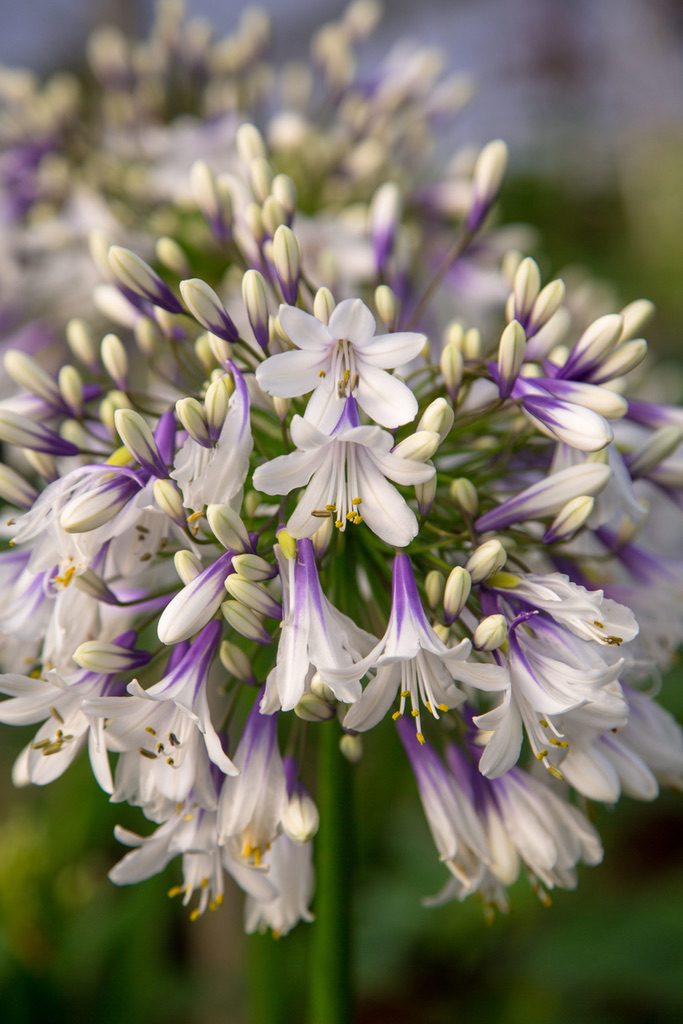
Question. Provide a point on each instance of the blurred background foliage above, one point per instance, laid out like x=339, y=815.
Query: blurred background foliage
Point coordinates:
x=596, y=169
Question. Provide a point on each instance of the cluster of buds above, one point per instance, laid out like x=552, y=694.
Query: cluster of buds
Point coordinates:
x=271, y=416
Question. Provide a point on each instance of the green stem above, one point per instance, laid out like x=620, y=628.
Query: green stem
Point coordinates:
x=330, y=963
x=266, y=1002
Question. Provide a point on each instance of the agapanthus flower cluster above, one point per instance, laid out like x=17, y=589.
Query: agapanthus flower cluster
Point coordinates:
x=357, y=465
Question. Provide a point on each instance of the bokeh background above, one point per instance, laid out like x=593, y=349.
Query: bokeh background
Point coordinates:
x=589, y=96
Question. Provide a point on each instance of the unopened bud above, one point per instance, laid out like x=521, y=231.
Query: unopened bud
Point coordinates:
x=287, y=262
x=80, y=340
x=108, y=658
x=29, y=374
x=187, y=565
x=26, y=433
x=438, y=416
x=471, y=344
x=418, y=447
x=659, y=446
x=323, y=305
x=488, y=559
x=491, y=633
x=236, y=662
x=386, y=304
x=526, y=288
x=148, y=336
x=510, y=356
x=595, y=343
x=487, y=178
x=464, y=494
x=245, y=621
x=14, y=489
x=434, y=587
x=253, y=567
x=92, y=585
x=620, y=362
x=351, y=748
x=171, y=256
x=207, y=308
x=312, y=709
x=569, y=519
x=250, y=144
x=227, y=527
x=252, y=595
x=139, y=440
x=190, y=412
x=452, y=365
x=300, y=818
x=321, y=689
x=169, y=500
x=635, y=316
x=138, y=276
x=456, y=592
x=260, y=178
x=284, y=190
x=71, y=388
x=115, y=360
x=217, y=403
x=256, y=304
x=546, y=305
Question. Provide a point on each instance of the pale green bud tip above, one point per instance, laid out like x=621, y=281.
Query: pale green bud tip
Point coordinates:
x=386, y=303
x=187, y=565
x=300, y=819
x=570, y=519
x=487, y=559
x=434, y=587
x=312, y=709
x=438, y=417
x=456, y=592
x=491, y=633
x=351, y=748
x=464, y=494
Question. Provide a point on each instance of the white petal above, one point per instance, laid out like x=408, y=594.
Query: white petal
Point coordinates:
x=375, y=701
x=302, y=523
x=352, y=320
x=283, y=474
x=384, y=398
x=304, y=330
x=402, y=471
x=390, y=350
x=289, y=374
x=383, y=508
x=306, y=435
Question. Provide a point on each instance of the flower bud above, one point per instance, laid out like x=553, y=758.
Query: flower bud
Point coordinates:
x=260, y=178
x=115, y=360
x=456, y=592
x=139, y=440
x=300, y=818
x=545, y=306
x=108, y=658
x=491, y=633
x=434, y=587
x=659, y=446
x=386, y=304
x=351, y=747
x=511, y=352
x=312, y=709
x=29, y=374
x=464, y=494
x=284, y=190
x=253, y=567
x=208, y=309
x=487, y=178
x=323, y=305
x=595, y=343
x=273, y=214
x=220, y=349
x=80, y=340
x=620, y=362
x=256, y=304
x=71, y=388
x=227, y=527
x=92, y=585
x=439, y=417
x=42, y=464
x=214, y=202
x=136, y=275
x=471, y=344
x=250, y=144
x=171, y=256
x=25, y=433
x=419, y=447
x=635, y=316
x=252, y=595
x=245, y=621
x=217, y=403
x=569, y=519
x=487, y=559
x=14, y=489
x=526, y=288
x=385, y=216
x=236, y=662
x=452, y=365
x=190, y=412
x=321, y=689
x=148, y=336
x=169, y=500
x=287, y=262
x=425, y=494
x=187, y=565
